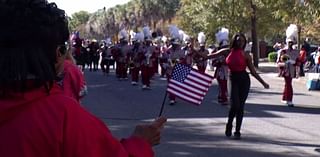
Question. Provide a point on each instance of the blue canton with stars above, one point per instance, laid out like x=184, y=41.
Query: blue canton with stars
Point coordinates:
x=180, y=72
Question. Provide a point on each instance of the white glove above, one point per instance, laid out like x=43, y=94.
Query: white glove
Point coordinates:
x=291, y=61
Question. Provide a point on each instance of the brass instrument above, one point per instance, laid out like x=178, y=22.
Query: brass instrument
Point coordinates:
x=148, y=56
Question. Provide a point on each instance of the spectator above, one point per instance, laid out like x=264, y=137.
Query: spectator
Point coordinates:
x=302, y=60
x=36, y=118
x=69, y=76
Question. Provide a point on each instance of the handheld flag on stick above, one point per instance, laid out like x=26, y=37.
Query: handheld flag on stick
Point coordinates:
x=188, y=84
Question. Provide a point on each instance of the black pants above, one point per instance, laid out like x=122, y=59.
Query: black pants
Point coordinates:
x=301, y=72
x=240, y=85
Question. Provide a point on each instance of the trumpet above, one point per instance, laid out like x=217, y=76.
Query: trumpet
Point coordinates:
x=284, y=58
x=148, y=56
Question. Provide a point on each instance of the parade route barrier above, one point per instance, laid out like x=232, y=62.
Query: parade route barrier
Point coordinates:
x=313, y=82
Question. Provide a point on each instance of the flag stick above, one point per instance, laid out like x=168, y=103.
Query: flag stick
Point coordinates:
x=163, y=102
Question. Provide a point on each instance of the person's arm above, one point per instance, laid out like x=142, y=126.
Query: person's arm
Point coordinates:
x=220, y=52
x=84, y=135
x=254, y=72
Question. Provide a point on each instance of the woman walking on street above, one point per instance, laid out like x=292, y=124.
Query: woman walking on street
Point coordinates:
x=237, y=61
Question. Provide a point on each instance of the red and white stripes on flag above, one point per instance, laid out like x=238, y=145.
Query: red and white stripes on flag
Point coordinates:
x=188, y=84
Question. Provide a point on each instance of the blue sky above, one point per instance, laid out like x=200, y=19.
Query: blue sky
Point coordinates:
x=72, y=6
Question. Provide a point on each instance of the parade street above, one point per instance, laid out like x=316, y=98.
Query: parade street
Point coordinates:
x=270, y=128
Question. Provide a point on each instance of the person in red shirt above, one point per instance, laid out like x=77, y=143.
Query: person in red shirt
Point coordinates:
x=70, y=77
x=237, y=61
x=302, y=60
x=36, y=117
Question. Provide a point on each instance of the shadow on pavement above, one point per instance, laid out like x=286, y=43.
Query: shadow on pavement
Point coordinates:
x=267, y=92
x=196, y=141
x=267, y=69
x=192, y=131
x=261, y=110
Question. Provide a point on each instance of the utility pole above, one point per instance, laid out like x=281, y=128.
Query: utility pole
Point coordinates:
x=254, y=50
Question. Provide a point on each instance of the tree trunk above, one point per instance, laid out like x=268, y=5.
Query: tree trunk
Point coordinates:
x=255, y=50
x=299, y=37
x=154, y=24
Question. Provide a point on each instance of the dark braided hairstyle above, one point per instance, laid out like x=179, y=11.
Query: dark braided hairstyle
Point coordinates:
x=30, y=33
x=236, y=39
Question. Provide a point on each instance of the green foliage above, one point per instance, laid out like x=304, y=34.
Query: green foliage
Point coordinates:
x=272, y=56
x=77, y=19
x=208, y=16
x=194, y=16
x=133, y=15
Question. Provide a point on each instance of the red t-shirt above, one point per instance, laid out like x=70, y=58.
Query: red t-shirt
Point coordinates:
x=302, y=56
x=74, y=84
x=36, y=124
x=236, y=61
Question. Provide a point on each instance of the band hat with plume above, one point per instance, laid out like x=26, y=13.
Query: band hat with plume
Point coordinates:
x=222, y=37
x=139, y=37
x=292, y=33
x=147, y=33
x=132, y=35
x=184, y=37
x=108, y=41
x=175, y=35
x=201, y=38
x=123, y=35
x=164, y=39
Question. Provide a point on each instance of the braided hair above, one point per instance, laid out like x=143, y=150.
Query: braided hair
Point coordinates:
x=236, y=39
x=29, y=37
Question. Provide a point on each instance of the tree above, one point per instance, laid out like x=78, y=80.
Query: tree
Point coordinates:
x=209, y=16
x=77, y=19
x=193, y=16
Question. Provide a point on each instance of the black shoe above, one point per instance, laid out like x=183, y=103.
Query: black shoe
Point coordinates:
x=172, y=102
x=237, y=135
x=228, y=130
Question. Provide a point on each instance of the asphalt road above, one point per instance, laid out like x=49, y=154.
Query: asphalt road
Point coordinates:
x=270, y=129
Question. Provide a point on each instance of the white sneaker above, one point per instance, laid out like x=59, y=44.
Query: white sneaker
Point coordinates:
x=172, y=102
x=290, y=104
x=284, y=101
x=134, y=83
x=144, y=87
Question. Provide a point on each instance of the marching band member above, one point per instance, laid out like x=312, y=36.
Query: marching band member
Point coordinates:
x=94, y=55
x=188, y=50
x=136, y=57
x=164, y=57
x=201, y=61
x=147, y=70
x=221, y=72
x=176, y=55
x=106, y=56
x=122, y=56
x=289, y=64
x=157, y=52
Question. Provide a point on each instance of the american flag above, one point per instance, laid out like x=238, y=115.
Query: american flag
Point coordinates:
x=188, y=84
